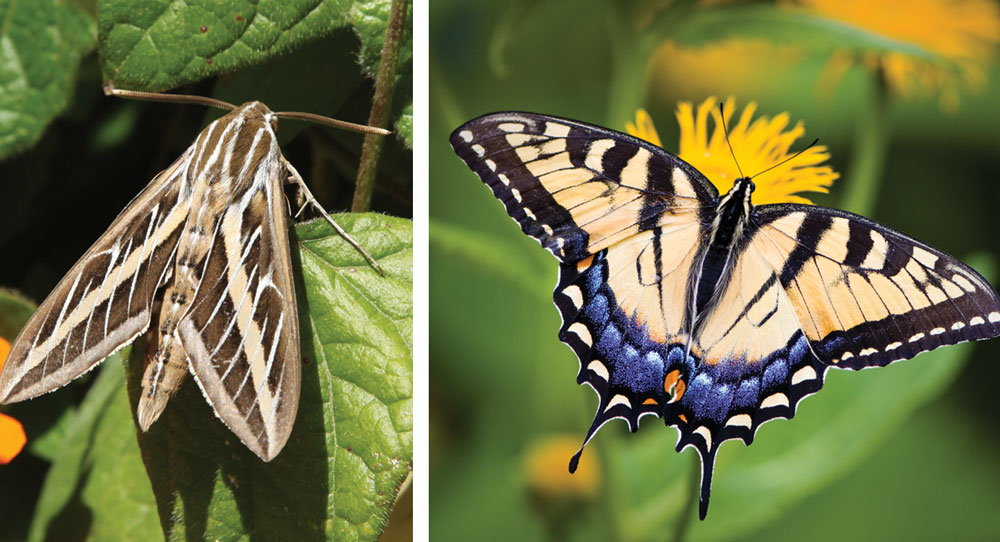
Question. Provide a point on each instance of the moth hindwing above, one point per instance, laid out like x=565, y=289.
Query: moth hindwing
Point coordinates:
x=200, y=258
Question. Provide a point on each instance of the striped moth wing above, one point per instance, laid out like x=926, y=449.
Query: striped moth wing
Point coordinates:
x=209, y=237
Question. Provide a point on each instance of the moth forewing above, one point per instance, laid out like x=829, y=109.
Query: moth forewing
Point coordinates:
x=242, y=335
x=105, y=300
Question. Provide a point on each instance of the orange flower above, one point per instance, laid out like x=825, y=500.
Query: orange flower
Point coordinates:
x=761, y=144
x=12, y=438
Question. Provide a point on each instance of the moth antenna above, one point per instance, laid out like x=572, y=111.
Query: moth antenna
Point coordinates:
x=110, y=90
x=722, y=113
x=809, y=146
x=310, y=199
x=344, y=125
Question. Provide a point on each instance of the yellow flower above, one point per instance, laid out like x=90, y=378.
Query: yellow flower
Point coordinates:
x=758, y=144
x=643, y=128
x=740, y=66
x=548, y=477
x=962, y=33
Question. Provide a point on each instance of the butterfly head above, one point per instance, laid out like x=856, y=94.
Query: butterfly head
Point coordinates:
x=742, y=189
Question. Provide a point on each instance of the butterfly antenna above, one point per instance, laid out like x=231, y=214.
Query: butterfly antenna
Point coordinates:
x=726, y=132
x=815, y=141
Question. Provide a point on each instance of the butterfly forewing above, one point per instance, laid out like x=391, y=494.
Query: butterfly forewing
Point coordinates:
x=881, y=296
x=576, y=188
x=105, y=300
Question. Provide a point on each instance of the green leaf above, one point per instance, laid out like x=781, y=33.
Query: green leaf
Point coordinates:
x=44, y=41
x=404, y=126
x=351, y=447
x=15, y=309
x=156, y=46
x=146, y=45
x=97, y=487
x=480, y=250
x=783, y=25
x=371, y=20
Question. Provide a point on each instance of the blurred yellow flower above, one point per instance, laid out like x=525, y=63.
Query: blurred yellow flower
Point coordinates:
x=758, y=145
x=962, y=33
x=546, y=468
x=744, y=67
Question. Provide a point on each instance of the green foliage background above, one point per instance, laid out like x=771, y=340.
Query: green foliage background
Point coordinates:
x=71, y=159
x=911, y=451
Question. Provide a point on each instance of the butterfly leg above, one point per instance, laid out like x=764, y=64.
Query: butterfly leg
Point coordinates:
x=310, y=199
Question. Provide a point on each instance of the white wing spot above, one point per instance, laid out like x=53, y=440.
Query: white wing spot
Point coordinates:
x=994, y=317
x=847, y=355
x=618, y=400
x=547, y=229
x=937, y=331
x=511, y=127
x=575, y=295
x=924, y=257
x=778, y=399
x=479, y=150
x=529, y=214
x=490, y=164
x=581, y=331
x=893, y=346
x=739, y=420
x=868, y=352
x=957, y=326
x=553, y=129
x=917, y=337
x=963, y=282
x=705, y=434
x=977, y=321
x=503, y=178
x=599, y=369
x=466, y=135
x=516, y=194
x=803, y=374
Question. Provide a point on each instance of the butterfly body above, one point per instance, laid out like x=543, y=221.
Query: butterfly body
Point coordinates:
x=705, y=310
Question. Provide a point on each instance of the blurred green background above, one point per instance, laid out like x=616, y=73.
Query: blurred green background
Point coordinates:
x=911, y=451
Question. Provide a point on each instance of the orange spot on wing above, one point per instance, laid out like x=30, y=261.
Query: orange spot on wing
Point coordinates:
x=679, y=390
x=584, y=263
x=674, y=386
x=683, y=418
x=650, y=401
x=670, y=380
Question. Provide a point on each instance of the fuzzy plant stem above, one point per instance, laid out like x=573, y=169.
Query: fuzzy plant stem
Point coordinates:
x=385, y=83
